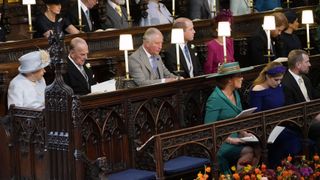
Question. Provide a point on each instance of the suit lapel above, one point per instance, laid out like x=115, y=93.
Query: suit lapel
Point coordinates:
x=183, y=62
x=78, y=74
x=295, y=85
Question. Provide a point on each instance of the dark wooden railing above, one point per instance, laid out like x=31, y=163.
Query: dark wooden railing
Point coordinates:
x=99, y=134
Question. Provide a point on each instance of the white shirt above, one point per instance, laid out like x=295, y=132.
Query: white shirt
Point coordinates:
x=304, y=90
x=189, y=64
x=24, y=93
x=157, y=14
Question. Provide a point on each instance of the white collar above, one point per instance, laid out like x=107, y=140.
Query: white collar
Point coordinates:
x=76, y=65
x=84, y=7
x=295, y=76
x=112, y=4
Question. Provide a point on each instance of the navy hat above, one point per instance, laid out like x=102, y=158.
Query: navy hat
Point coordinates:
x=291, y=16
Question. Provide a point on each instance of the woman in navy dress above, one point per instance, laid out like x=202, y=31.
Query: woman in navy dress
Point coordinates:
x=49, y=20
x=267, y=93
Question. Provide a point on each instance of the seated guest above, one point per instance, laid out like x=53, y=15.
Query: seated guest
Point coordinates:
x=49, y=20
x=116, y=15
x=145, y=64
x=240, y=7
x=259, y=43
x=86, y=19
x=266, y=5
x=28, y=87
x=287, y=40
x=297, y=86
x=224, y=103
x=157, y=13
x=199, y=9
x=215, y=47
x=78, y=75
x=267, y=93
x=189, y=62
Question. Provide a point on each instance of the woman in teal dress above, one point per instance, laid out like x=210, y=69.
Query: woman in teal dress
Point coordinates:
x=224, y=103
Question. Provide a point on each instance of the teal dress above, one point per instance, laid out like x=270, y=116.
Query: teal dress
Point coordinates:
x=219, y=107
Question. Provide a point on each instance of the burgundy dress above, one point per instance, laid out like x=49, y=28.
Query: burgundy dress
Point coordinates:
x=215, y=55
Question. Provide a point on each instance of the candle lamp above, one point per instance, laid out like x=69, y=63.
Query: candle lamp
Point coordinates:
x=128, y=13
x=251, y=6
x=173, y=9
x=213, y=8
x=125, y=44
x=307, y=19
x=224, y=31
x=29, y=3
x=288, y=2
x=79, y=15
x=268, y=25
x=177, y=37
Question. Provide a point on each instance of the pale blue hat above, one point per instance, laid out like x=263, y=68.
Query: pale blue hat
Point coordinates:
x=34, y=61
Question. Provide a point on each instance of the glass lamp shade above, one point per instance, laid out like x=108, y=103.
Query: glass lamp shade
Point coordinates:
x=269, y=23
x=307, y=17
x=26, y=2
x=177, y=36
x=224, y=28
x=125, y=42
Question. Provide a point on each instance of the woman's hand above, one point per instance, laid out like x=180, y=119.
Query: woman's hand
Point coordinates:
x=234, y=141
x=245, y=134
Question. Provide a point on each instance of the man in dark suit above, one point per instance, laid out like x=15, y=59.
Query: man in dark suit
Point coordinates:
x=258, y=45
x=145, y=64
x=116, y=15
x=79, y=75
x=297, y=87
x=199, y=9
x=86, y=17
x=190, y=64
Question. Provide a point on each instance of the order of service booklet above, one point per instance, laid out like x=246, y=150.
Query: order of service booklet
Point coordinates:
x=272, y=137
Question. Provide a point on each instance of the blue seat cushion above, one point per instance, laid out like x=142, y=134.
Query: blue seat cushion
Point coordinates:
x=133, y=174
x=184, y=163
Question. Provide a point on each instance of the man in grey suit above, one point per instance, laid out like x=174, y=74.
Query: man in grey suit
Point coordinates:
x=199, y=9
x=145, y=64
x=116, y=15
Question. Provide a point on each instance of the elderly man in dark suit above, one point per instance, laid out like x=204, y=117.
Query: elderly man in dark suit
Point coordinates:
x=199, y=9
x=190, y=64
x=86, y=17
x=79, y=75
x=145, y=64
x=116, y=15
x=297, y=87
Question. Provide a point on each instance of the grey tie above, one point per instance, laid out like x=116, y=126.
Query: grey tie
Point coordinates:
x=190, y=66
x=88, y=19
x=154, y=64
x=303, y=89
x=83, y=72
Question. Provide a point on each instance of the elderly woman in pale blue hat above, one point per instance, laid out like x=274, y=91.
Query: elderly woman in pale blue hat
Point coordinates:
x=224, y=103
x=28, y=87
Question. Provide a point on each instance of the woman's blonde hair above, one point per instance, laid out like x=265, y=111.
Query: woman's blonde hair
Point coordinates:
x=272, y=69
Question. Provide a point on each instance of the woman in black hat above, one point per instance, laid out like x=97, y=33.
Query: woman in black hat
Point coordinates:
x=50, y=20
